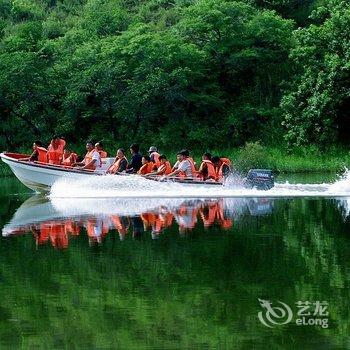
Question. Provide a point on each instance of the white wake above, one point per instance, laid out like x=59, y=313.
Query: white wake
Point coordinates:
x=137, y=187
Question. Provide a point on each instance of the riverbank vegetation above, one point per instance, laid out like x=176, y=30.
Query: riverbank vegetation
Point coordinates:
x=255, y=155
x=281, y=160
x=200, y=74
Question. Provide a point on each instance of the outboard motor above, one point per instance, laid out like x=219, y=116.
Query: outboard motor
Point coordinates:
x=262, y=179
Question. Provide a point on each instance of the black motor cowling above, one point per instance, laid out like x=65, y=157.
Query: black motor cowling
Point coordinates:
x=262, y=179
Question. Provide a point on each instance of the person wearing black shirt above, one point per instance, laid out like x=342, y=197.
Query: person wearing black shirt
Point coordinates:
x=136, y=159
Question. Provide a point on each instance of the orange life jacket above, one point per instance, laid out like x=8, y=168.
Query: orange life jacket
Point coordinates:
x=103, y=154
x=42, y=154
x=68, y=161
x=114, y=168
x=191, y=160
x=182, y=174
x=218, y=170
x=146, y=168
x=211, y=174
x=226, y=161
x=55, y=154
x=193, y=168
x=155, y=155
x=61, y=144
x=164, y=169
x=88, y=159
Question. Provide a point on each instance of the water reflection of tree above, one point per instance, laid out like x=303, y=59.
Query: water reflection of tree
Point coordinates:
x=198, y=292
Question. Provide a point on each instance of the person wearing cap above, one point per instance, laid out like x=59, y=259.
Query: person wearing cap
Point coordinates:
x=185, y=166
x=154, y=155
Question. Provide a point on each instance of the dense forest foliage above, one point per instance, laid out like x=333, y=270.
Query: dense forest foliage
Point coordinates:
x=194, y=73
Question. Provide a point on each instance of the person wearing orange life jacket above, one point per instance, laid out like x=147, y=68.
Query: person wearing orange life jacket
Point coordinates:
x=147, y=166
x=55, y=150
x=92, y=160
x=99, y=149
x=120, y=163
x=68, y=157
x=39, y=153
x=186, y=154
x=185, y=167
x=154, y=155
x=207, y=170
x=222, y=167
x=164, y=166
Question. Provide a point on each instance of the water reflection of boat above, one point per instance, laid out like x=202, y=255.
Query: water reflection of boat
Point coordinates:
x=260, y=206
x=58, y=221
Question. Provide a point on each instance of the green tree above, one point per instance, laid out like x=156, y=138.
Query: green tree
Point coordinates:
x=317, y=100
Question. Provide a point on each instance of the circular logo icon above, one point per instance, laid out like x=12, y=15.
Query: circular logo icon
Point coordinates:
x=274, y=315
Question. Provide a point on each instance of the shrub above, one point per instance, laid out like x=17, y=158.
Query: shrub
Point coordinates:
x=253, y=155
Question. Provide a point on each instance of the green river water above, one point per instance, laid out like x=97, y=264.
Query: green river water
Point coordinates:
x=182, y=276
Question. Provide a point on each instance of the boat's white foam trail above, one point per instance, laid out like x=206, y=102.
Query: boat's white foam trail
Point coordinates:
x=136, y=187
x=67, y=207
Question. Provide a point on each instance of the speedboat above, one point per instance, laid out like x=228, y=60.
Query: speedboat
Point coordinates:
x=41, y=176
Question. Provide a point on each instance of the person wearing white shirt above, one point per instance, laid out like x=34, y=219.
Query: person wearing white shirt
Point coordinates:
x=92, y=160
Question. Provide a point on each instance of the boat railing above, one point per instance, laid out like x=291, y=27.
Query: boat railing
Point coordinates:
x=57, y=166
x=154, y=177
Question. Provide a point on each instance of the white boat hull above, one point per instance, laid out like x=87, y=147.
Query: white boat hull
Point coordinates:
x=40, y=178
